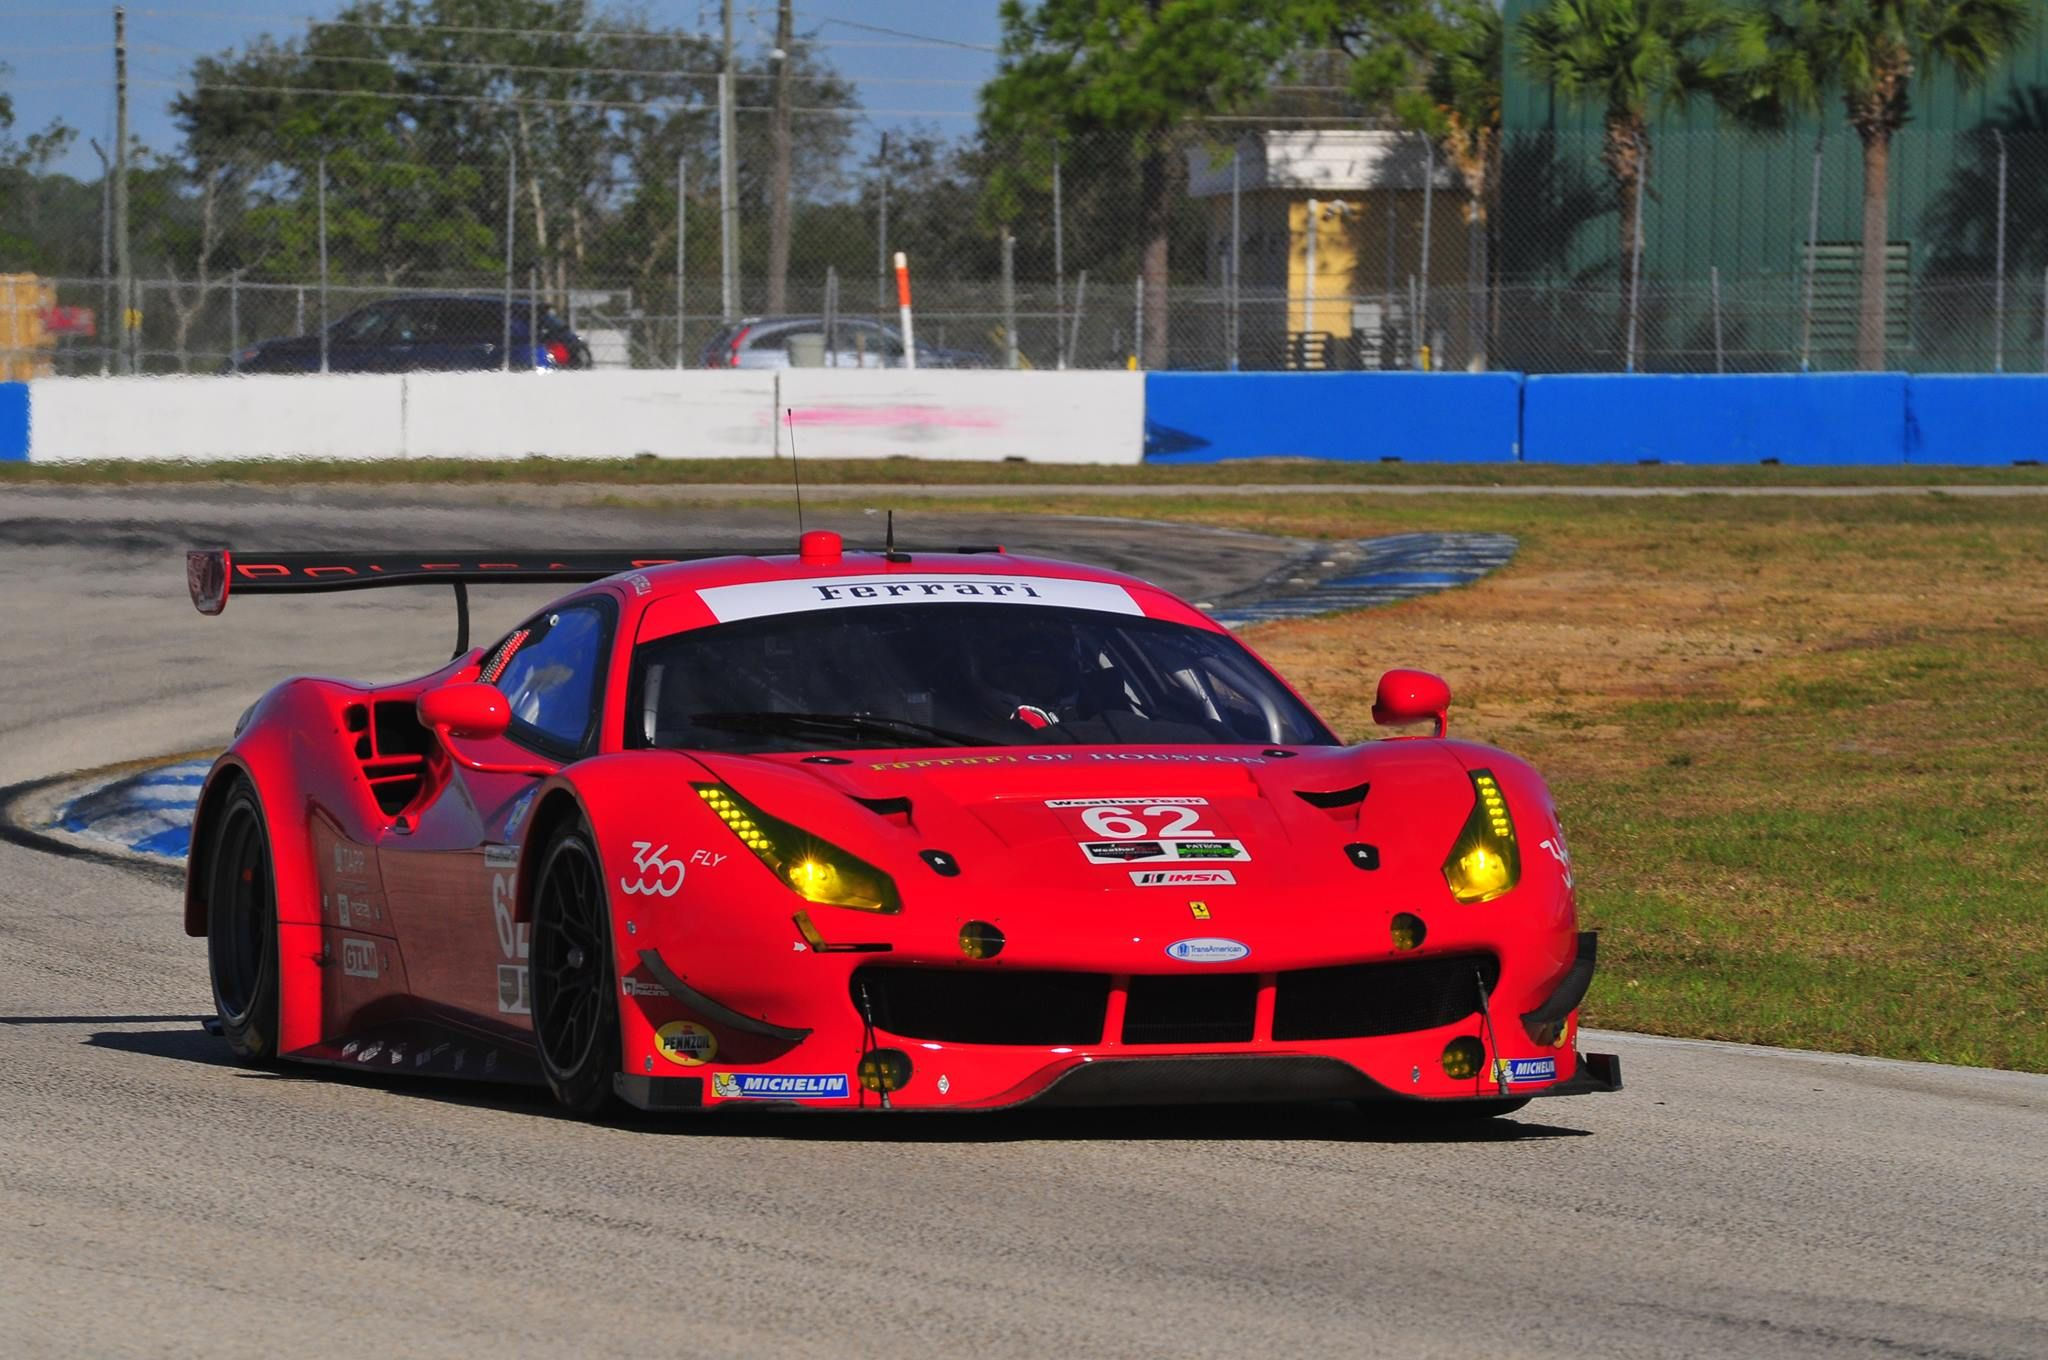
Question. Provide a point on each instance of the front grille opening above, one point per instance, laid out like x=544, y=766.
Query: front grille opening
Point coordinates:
x=985, y=1005
x=1192, y=1010
x=1360, y=1000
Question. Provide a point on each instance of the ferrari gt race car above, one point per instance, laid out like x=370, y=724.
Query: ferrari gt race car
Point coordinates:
x=874, y=830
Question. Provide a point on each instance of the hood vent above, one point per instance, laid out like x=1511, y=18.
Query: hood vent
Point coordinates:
x=1336, y=800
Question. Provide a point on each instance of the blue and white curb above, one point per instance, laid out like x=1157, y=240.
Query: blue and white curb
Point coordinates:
x=149, y=813
x=1376, y=571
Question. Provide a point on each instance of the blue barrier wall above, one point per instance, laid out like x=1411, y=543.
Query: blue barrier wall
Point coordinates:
x=1830, y=418
x=1975, y=418
x=13, y=422
x=1420, y=417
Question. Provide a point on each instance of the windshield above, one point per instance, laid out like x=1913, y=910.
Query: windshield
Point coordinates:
x=890, y=676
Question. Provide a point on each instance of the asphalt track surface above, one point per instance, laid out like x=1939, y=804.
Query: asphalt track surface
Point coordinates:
x=159, y=1201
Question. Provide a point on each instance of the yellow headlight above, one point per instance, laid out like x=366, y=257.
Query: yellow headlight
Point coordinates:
x=1484, y=862
x=815, y=870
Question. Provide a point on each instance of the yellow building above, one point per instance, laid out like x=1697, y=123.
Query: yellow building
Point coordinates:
x=25, y=345
x=1329, y=226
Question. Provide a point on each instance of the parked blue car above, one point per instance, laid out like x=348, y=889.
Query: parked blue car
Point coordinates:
x=423, y=334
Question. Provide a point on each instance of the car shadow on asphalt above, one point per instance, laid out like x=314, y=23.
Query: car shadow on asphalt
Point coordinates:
x=1322, y=1123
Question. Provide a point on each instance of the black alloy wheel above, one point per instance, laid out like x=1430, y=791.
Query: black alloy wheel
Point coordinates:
x=575, y=1000
x=241, y=927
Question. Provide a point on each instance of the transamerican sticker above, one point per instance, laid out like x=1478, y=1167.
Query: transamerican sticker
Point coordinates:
x=755, y=599
x=779, y=1086
x=1164, y=852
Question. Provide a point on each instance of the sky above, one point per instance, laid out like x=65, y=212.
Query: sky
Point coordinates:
x=61, y=63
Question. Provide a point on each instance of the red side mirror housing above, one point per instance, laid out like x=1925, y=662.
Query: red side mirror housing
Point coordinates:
x=1406, y=696
x=471, y=712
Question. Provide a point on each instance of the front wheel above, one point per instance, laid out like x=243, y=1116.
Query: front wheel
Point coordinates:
x=241, y=927
x=575, y=1001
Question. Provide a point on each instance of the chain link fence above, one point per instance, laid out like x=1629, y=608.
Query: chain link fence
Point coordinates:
x=1750, y=248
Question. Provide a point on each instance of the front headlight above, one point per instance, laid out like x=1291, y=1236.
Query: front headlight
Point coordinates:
x=1484, y=862
x=815, y=870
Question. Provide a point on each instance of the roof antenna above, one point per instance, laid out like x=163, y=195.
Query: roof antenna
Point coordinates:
x=789, y=419
x=889, y=553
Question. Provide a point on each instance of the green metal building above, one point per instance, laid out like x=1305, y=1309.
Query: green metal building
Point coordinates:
x=1725, y=230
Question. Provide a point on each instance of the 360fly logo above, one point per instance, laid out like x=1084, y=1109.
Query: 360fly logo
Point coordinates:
x=655, y=871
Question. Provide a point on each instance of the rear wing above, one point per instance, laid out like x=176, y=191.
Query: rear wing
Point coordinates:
x=212, y=574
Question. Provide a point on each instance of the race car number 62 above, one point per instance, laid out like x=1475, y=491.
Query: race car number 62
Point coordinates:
x=1119, y=824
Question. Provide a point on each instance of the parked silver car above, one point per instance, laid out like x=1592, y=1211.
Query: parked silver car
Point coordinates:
x=804, y=341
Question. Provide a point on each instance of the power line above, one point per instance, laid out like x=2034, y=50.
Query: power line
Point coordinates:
x=919, y=38
x=536, y=101
x=409, y=64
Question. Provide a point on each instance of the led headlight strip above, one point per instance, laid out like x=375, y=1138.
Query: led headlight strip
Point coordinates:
x=1484, y=862
x=815, y=869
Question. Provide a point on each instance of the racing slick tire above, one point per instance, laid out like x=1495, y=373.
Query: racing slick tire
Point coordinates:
x=241, y=927
x=575, y=998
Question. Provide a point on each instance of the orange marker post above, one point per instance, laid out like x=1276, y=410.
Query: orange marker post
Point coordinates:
x=903, y=309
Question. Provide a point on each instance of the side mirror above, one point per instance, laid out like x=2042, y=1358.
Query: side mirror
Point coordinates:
x=1406, y=696
x=472, y=712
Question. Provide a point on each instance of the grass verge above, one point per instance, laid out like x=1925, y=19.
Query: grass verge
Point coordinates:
x=649, y=471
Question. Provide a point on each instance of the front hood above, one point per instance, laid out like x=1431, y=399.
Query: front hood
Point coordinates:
x=1266, y=840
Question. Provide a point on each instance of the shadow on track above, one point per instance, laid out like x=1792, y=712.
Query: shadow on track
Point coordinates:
x=1328, y=1122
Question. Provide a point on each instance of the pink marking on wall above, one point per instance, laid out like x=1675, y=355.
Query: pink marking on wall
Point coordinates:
x=877, y=417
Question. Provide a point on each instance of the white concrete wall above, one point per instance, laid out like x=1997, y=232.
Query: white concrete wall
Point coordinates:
x=599, y=413
x=213, y=418
x=964, y=413
x=844, y=413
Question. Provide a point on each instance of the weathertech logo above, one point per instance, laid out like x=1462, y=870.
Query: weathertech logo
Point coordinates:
x=1182, y=878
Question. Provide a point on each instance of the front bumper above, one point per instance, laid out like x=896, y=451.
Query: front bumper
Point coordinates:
x=753, y=1060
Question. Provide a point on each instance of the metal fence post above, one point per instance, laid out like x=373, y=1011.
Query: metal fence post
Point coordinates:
x=1716, y=276
x=1308, y=272
x=1081, y=301
x=882, y=228
x=1009, y=299
x=1230, y=311
x=1059, y=267
x=1812, y=256
x=235, y=316
x=1635, y=251
x=323, y=264
x=1428, y=199
x=683, y=234
x=533, y=317
x=1138, y=323
x=1998, y=279
x=299, y=317
x=511, y=234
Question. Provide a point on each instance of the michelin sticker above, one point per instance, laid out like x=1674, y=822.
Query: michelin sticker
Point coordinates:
x=1515, y=1071
x=757, y=599
x=778, y=1086
x=1207, y=949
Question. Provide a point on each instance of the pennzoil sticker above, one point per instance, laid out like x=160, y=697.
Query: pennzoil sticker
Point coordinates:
x=1157, y=852
x=779, y=1086
x=686, y=1042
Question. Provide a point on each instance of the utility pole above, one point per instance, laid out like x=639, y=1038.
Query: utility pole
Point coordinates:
x=728, y=183
x=882, y=230
x=778, y=170
x=124, y=289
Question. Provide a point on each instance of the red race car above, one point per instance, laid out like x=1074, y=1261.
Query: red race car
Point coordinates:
x=875, y=830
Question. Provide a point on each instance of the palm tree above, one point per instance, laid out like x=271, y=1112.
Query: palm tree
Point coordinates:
x=1630, y=56
x=1463, y=91
x=1787, y=54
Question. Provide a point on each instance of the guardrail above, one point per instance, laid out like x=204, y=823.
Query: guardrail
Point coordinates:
x=1866, y=419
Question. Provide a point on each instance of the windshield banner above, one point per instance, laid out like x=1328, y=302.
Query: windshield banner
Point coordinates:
x=759, y=598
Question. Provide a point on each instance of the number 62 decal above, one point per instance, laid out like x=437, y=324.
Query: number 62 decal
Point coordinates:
x=1121, y=824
